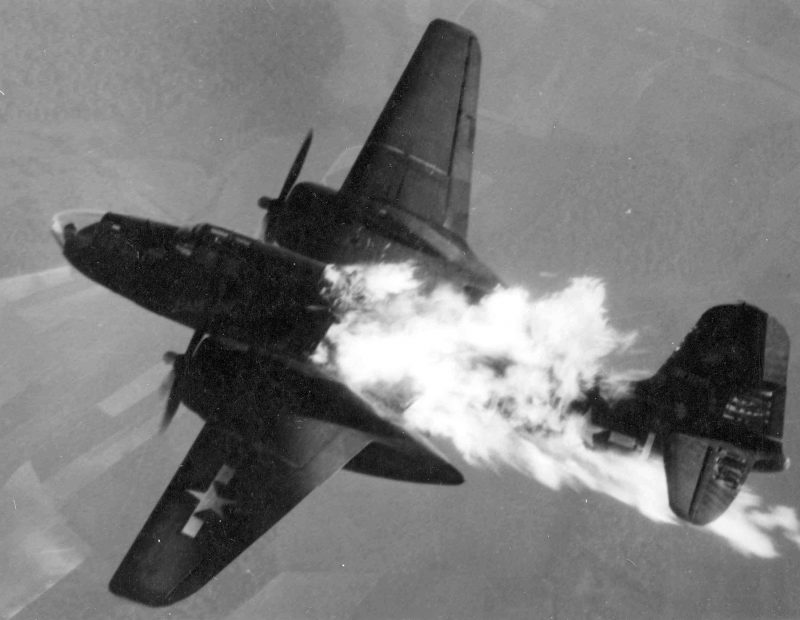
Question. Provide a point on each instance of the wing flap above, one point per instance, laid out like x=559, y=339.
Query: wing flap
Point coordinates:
x=226, y=493
x=419, y=154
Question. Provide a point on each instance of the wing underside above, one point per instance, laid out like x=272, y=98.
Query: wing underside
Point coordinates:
x=419, y=154
x=227, y=493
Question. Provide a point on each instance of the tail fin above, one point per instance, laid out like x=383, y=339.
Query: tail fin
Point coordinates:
x=721, y=399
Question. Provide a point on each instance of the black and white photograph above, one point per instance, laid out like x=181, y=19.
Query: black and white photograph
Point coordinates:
x=365, y=310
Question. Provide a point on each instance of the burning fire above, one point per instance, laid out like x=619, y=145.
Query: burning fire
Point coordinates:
x=500, y=378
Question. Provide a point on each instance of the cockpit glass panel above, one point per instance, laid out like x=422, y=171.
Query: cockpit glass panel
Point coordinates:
x=186, y=248
x=219, y=233
x=70, y=222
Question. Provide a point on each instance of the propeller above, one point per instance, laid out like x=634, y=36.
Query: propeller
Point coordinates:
x=174, y=382
x=276, y=203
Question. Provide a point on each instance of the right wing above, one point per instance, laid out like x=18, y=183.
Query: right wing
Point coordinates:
x=225, y=495
x=419, y=154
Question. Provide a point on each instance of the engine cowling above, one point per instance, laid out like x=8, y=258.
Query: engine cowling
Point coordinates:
x=303, y=222
x=247, y=392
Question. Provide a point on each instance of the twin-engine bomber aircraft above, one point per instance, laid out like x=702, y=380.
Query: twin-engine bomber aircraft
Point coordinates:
x=276, y=427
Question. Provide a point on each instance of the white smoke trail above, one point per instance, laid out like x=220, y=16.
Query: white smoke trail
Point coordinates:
x=498, y=379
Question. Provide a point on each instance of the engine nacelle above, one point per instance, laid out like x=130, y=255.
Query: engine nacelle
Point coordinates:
x=249, y=392
x=303, y=221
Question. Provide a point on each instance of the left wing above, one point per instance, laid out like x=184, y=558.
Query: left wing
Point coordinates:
x=227, y=493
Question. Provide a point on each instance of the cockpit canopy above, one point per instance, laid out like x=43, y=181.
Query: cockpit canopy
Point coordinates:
x=68, y=223
x=211, y=234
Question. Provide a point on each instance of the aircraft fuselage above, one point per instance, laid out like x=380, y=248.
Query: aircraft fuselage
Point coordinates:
x=253, y=293
x=206, y=277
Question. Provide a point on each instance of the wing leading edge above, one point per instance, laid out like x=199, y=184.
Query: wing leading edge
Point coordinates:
x=419, y=154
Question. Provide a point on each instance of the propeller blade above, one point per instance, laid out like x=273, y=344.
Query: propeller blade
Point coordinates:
x=166, y=385
x=173, y=402
x=174, y=394
x=297, y=165
x=176, y=378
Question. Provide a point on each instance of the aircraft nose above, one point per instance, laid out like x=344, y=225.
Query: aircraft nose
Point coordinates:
x=61, y=228
x=67, y=224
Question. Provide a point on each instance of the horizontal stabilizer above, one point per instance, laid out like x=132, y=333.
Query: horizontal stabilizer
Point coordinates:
x=703, y=476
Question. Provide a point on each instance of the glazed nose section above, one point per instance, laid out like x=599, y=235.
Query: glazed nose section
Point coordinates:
x=68, y=225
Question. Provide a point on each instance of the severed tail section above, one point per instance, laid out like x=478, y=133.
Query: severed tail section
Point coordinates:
x=722, y=396
x=714, y=410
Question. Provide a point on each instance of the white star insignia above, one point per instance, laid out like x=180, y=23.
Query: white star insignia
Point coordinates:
x=209, y=499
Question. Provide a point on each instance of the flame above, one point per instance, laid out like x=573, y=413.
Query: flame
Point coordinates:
x=499, y=379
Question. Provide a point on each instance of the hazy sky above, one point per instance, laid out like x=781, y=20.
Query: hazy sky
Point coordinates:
x=654, y=145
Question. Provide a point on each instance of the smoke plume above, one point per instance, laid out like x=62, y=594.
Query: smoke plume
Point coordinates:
x=500, y=378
